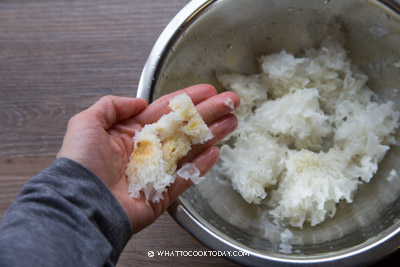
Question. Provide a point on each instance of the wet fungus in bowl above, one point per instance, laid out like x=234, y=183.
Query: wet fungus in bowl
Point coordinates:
x=227, y=36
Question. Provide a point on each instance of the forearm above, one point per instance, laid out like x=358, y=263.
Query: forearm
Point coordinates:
x=65, y=216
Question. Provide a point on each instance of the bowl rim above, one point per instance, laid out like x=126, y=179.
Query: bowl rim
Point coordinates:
x=209, y=235
x=357, y=257
x=164, y=44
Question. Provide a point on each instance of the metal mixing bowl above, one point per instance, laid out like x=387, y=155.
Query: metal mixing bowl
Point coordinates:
x=228, y=36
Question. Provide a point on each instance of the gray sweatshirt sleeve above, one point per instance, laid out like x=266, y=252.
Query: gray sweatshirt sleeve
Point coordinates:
x=65, y=216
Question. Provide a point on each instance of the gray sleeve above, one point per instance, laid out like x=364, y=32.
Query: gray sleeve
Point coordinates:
x=65, y=216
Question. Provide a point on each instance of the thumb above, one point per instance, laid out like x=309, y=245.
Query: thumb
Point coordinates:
x=112, y=109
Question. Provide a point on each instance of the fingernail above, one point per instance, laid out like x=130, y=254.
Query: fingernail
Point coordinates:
x=228, y=125
x=229, y=103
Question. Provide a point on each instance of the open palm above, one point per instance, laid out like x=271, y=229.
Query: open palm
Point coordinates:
x=100, y=138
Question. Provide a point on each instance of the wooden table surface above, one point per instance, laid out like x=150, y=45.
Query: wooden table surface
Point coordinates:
x=56, y=59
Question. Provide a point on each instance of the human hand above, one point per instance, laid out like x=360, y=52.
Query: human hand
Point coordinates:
x=100, y=138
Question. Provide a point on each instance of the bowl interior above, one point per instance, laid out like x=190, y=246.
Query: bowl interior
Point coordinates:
x=229, y=36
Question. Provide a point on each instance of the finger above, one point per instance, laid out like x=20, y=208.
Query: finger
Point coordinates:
x=198, y=93
x=211, y=110
x=204, y=162
x=220, y=129
x=112, y=109
x=218, y=106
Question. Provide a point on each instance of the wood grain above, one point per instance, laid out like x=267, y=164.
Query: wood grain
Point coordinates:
x=56, y=59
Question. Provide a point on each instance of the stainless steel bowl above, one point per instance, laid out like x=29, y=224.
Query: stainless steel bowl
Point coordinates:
x=228, y=36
